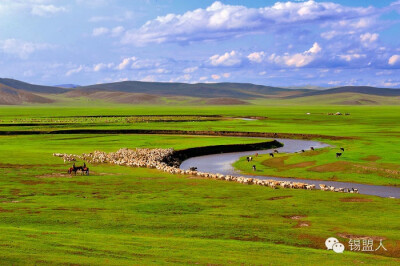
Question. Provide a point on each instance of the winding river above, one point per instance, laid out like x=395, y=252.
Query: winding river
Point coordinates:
x=222, y=163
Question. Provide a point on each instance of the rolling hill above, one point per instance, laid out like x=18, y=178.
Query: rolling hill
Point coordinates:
x=11, y=96
x=137, y=92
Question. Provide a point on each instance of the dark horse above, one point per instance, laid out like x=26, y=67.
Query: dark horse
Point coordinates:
x=74, y=169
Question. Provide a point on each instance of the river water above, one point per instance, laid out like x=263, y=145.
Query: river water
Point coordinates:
x=222, y=164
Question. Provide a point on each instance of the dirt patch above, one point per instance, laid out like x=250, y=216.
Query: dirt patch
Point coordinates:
x=5, y=210
x=351, y=236
x=279, y=163
x=280, y=197
x=302, y=224
x=295, y=217
x=371, y=158
x=313, y=153
x=355, y=199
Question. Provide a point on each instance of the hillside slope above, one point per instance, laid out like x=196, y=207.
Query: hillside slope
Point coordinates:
x=11, y=96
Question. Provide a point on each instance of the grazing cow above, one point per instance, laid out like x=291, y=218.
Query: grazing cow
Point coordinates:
x=302, y=150
x=271, y=154
x=248, y=159
x=254, y=168
x=338, y=154
x=276, y=151
x=342, y=149
x=312, y=148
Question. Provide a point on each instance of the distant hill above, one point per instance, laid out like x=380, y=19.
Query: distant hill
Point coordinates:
x=67, y=86
x=11, y=96
x=16, y=84
x=352, y=89
x=137, y=92
x=204, y=90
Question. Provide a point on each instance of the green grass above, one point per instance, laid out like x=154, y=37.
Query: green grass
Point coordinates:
x=124, y=216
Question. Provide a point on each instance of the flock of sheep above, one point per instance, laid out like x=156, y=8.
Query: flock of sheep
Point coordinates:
x=162, y=159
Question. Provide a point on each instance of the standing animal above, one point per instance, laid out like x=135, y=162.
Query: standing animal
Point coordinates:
x=302, y=150
x=342, y=149
x=276, y=151
x=338, y=154
x=271, y=154
x=256, y=154
x=312, y=148
x=248, y=159
x=193, y=168
x=254, y=168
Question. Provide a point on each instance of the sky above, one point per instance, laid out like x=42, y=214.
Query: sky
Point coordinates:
x=287, y=44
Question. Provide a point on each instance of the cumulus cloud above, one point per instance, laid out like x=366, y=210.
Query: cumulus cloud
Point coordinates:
x=257, y=57
x=126, y=62
x=102, y=66
x=220, y=21
x=352, y=56
x=100, y=31
x=44, y=10
x=369, y=37
x=228, y=59
x=298, y=59
x=394, y=60
x=34, y=7
x=190, y=69
x=215, y=76
x=21, y=48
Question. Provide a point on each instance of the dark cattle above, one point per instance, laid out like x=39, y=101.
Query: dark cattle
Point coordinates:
x=271, y=154
x=193, y=168
x=312, y=148
x=276, y=151
x=302, y=150
x=342, y=149
x=338, y=154
x=248, y=159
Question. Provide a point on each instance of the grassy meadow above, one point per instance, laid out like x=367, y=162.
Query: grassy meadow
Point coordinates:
x=123, y=216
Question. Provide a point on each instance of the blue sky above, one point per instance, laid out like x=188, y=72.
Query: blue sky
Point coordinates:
x=297, y=43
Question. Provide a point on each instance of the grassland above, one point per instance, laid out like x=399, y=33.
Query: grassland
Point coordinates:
x=122, y=215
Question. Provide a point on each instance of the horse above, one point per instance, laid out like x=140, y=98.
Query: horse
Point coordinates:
x=74, y=169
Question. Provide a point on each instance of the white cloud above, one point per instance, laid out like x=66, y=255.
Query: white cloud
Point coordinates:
x=299, y=59
x=75, y=70
x=190, y=69
x=352, y=56
x=100, y=31
x=369, y=37
x=117, y=31
x=215, y=76
x=44, y=10
x=125, y=62
x=257, y=57
x=21, y=48
x=226, y=75
x=227, y=59
x=394, y=60
x=220, y=21
x=102, y=66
